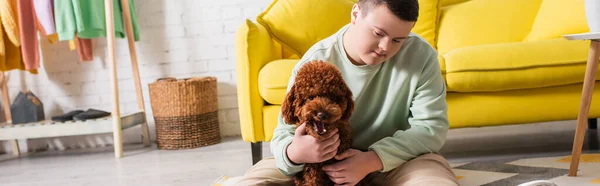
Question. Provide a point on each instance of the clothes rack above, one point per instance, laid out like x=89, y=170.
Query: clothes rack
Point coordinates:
x=119, y=122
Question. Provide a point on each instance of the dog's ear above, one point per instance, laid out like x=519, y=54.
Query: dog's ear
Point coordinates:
x=349, y=104
x=288, y=108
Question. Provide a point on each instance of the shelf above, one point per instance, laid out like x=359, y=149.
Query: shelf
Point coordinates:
x=47, y=129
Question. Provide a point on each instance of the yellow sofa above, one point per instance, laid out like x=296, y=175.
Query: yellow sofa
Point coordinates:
x=504, y=61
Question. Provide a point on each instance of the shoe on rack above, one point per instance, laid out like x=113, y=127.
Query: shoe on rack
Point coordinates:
x=66, y=117
x=91, y=114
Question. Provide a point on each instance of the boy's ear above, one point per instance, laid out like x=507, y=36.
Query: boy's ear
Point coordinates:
x=288, y=107
x=354, y=13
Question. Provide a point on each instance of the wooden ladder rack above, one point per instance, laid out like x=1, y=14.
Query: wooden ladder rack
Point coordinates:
x=119, y=122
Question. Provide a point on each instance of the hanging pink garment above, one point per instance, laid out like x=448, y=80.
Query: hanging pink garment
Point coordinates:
x=45, y=16
x=29, y=40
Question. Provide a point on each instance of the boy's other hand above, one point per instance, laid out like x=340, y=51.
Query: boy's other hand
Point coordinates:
x=355, y=165
x=308, y=149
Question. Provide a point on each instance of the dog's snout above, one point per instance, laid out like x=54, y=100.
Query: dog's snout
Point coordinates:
x=322, y=115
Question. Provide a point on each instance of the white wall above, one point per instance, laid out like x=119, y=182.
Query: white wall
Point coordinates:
x=179, y=38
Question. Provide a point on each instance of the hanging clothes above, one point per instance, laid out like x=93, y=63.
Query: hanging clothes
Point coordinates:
x=44, y=12
x=44, y=17
x=2, y=48
x=8, y=15
x=29, y=39
x=11, y=58
x=72, y=44
x=86, y=19
x=84, y=49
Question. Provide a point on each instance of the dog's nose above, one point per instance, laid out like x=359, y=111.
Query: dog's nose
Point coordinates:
x=322, y=116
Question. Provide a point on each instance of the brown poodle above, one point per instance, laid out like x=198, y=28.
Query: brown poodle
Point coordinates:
x=321, y=98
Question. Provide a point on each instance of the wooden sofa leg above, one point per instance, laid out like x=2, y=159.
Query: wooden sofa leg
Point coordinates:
x=256, y=152
x=593, y=123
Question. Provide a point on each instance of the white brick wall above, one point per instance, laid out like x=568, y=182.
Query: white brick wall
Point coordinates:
x=179, y=38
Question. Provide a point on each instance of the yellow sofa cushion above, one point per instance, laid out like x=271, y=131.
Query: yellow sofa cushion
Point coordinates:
x=426, y=25
x=475, y=23
x=301, y=23
x=295, y=22
x=518, y=106
x=273, y=80
x=558, y=17
x=516, y=65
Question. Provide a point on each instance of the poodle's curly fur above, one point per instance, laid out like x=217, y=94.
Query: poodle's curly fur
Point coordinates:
x=320, y=98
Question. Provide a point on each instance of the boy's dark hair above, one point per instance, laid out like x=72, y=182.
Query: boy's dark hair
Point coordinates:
x=407, y=10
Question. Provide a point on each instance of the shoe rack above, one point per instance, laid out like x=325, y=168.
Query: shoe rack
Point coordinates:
x=114, y=124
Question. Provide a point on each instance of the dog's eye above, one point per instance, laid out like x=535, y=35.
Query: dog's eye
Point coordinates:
x=311, y=98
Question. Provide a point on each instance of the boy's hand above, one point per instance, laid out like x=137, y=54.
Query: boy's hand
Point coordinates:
x=308, y=149
x=354, y=167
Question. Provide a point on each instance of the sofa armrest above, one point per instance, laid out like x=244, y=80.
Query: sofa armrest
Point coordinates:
x=254, y=48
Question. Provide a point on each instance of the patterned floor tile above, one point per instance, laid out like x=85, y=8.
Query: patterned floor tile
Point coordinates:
x=473, y=178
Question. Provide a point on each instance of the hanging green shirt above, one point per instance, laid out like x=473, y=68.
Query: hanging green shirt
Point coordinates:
x=86, y=19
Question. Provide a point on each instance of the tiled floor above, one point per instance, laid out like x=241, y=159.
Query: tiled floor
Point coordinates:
x=201, y=166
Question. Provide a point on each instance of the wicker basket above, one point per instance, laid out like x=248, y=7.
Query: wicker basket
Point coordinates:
x=185, y=112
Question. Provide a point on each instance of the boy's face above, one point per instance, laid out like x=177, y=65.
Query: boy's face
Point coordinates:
x=377, y=35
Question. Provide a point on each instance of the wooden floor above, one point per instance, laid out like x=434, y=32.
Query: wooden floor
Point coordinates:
x=201, y=166
x=139, y=166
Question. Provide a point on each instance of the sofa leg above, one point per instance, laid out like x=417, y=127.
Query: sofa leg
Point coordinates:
x=592, y=134
x=256, y=152
x=593, y=123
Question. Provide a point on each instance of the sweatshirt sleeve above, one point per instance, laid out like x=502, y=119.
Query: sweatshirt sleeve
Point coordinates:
x=428, y=121
x=64, y=17
x=282, y=138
